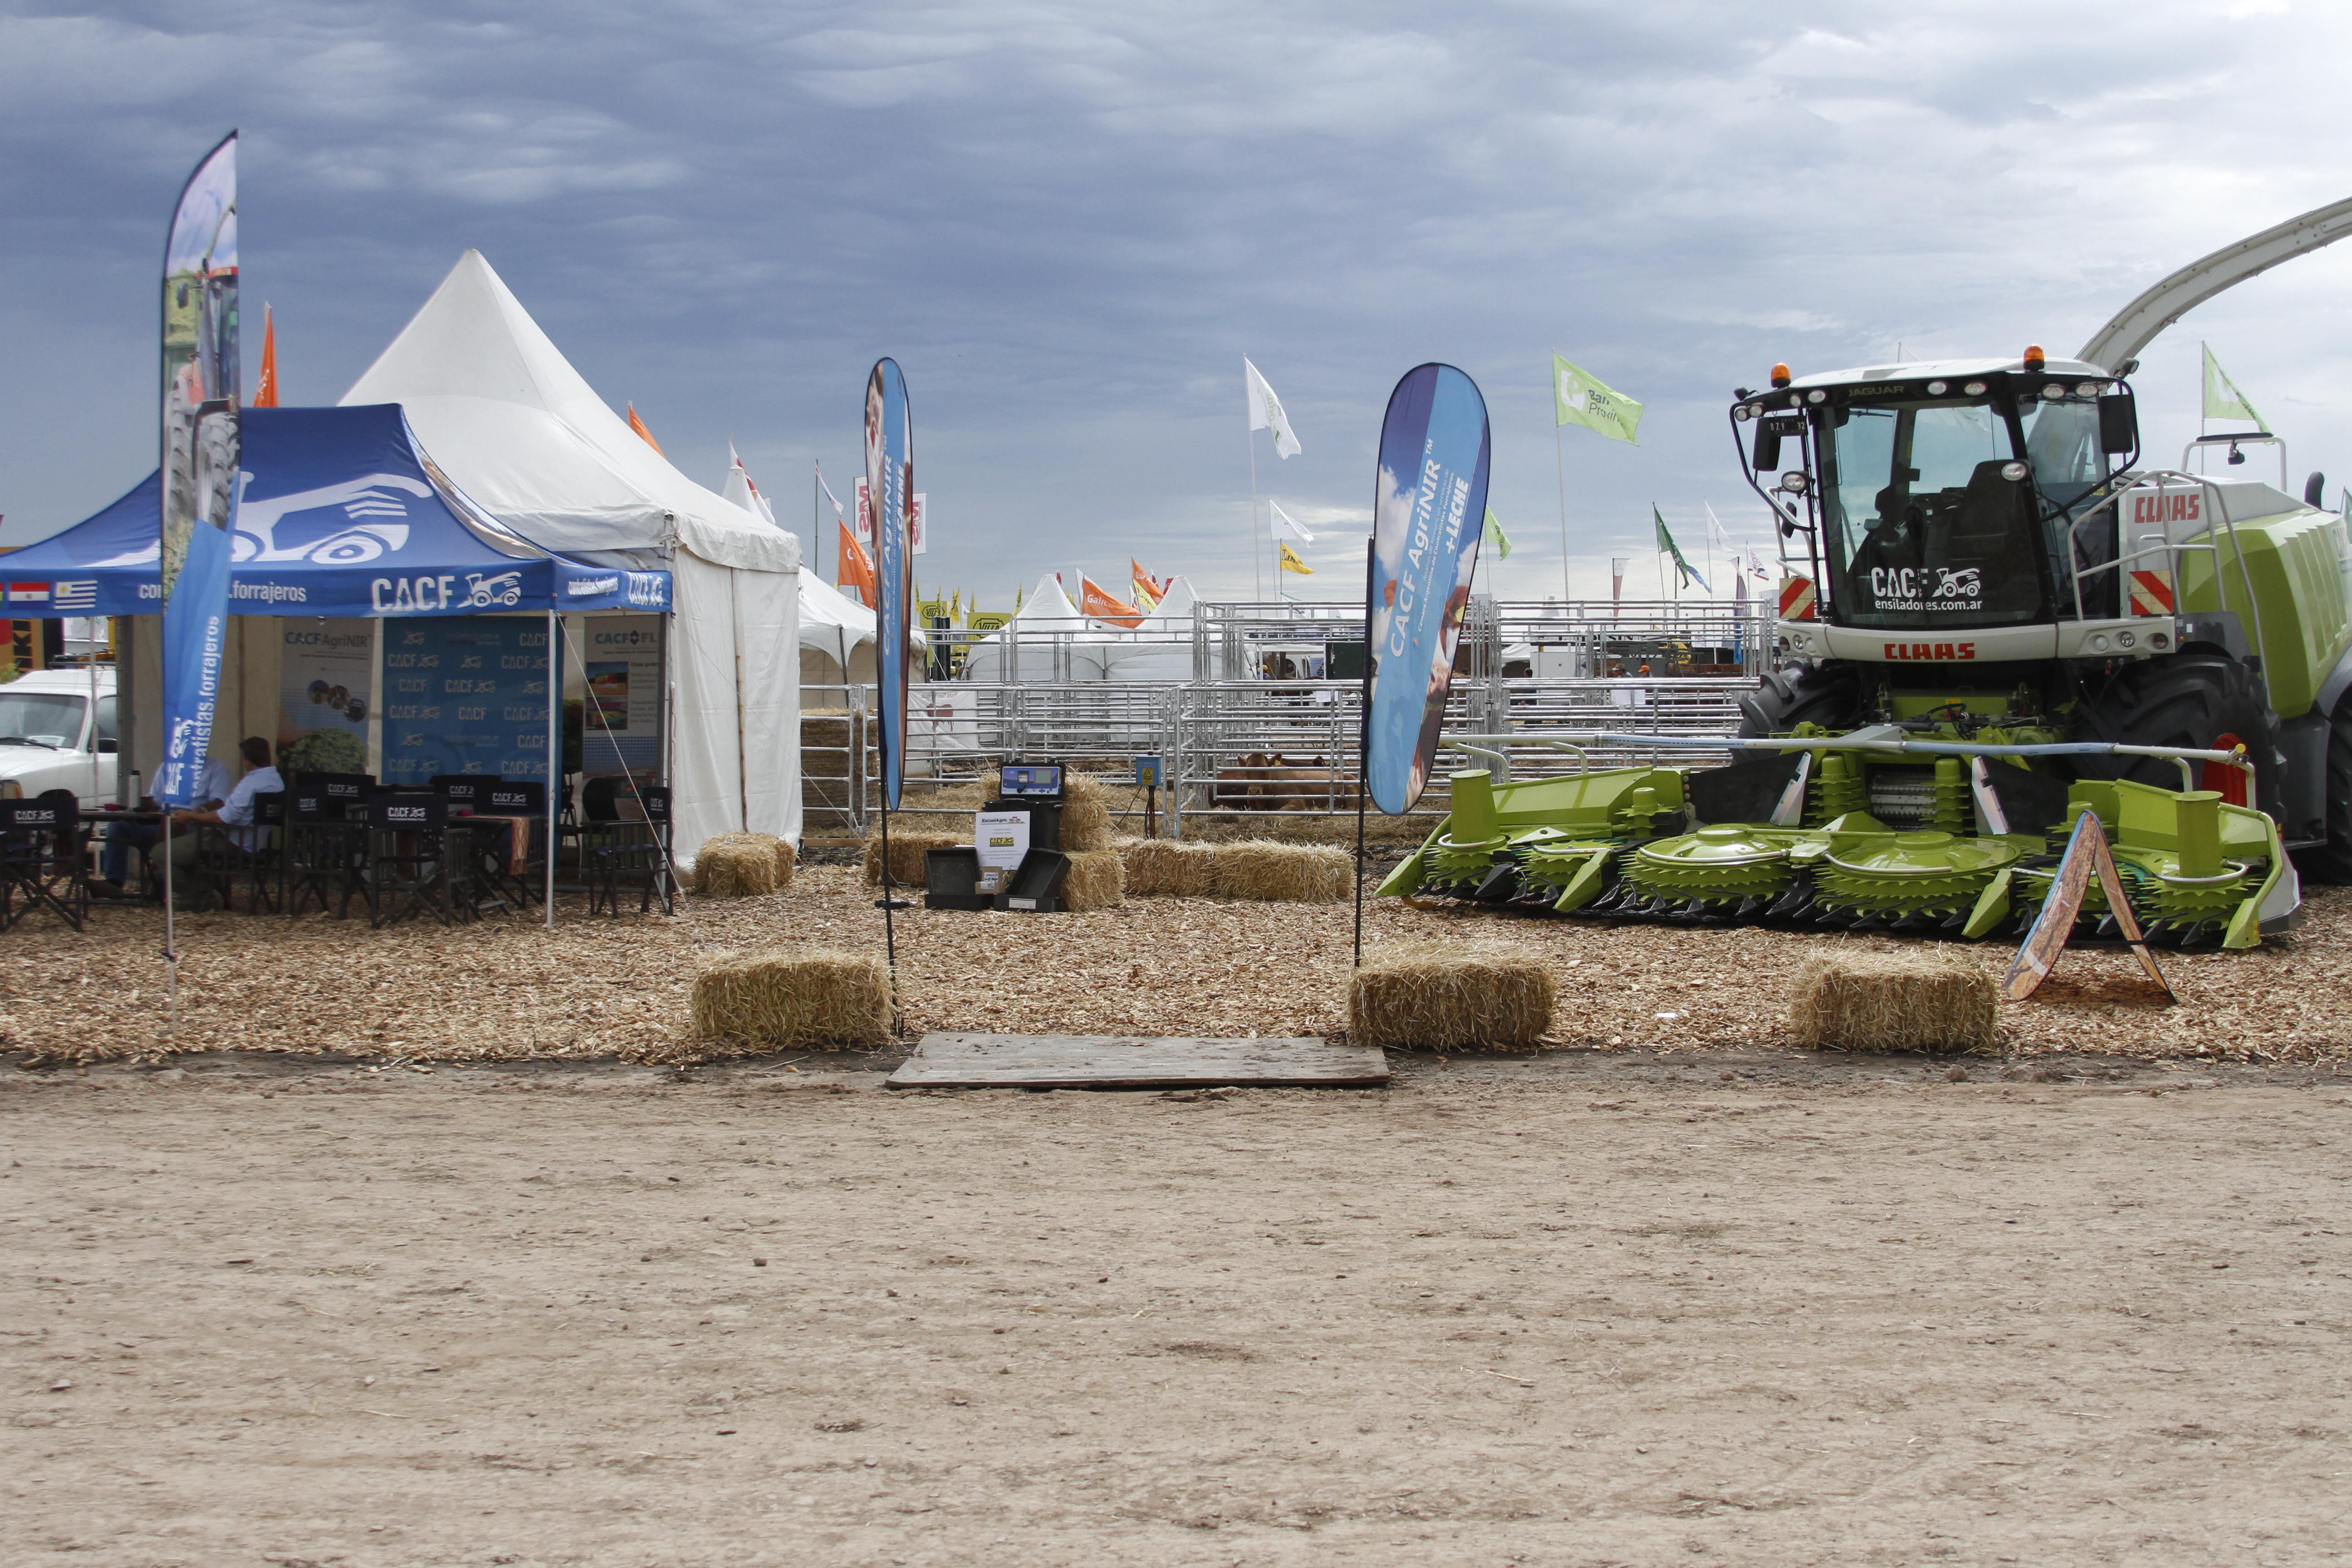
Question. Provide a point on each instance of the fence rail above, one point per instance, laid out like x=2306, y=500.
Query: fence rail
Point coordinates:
x=1229, y=746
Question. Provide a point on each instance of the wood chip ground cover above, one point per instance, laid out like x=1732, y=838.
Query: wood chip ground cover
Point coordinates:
x=507, y=989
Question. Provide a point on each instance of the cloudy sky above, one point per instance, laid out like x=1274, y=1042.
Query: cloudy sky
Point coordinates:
x=1069, y=223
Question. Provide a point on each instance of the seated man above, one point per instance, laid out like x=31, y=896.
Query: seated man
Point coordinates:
x=237, y=811
x=123, y=838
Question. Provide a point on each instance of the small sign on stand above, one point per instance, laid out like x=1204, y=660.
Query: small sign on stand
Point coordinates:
x=2086, y=852
x=1001, y=839
x=1147, y=774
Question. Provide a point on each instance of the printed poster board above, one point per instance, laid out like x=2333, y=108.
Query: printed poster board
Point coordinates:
x=465, y=694
x=325, y=668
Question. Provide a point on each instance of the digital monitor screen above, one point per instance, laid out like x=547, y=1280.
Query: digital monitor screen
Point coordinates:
x=1032, y=779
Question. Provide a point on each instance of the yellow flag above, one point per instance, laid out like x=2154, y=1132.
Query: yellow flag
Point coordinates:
x=1291, y=562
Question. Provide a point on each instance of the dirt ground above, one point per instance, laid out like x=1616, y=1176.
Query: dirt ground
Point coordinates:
x=506, y=989
x=1581, y=1309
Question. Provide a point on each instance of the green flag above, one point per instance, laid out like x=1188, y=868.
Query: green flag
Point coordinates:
x=1667, y=546
x=1496, y=537
x=1578, y=399
x=2222, y=398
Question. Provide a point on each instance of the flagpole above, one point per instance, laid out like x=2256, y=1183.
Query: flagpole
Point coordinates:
x=1258, y=574
x=816, y=521
x=1559, y=460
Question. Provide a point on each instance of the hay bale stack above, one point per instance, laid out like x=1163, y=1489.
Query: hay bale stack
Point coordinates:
x=827, y=748
x=1097, y=881
x=1435, y=996
x=1893, y=1001
x=1296, y=873
x=793, y=999
x=907, y=851
x=1169, y=869
x=738, y=866
x=1085, y=816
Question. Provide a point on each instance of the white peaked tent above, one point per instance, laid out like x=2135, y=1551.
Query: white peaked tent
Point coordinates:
x=1056, y=643
x=522, y=432
x=837, y=636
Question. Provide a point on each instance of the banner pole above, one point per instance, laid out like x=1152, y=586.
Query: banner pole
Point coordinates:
x=554, y=752
x=1364, y=748
x=1559, y=460
x=1257, y=572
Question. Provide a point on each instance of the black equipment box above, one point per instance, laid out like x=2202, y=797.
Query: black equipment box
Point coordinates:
x=1036, y=887
x=1045, y=820
x=952, y=880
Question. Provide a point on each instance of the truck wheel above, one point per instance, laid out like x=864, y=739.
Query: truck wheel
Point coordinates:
x=1828, y=694
x=2333, y=861
x=2189, y=701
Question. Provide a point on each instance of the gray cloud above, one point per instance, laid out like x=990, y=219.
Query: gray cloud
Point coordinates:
x=1069, y=222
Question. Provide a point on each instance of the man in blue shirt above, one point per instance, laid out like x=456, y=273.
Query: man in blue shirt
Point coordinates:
x=123, y=838
x=236, y=812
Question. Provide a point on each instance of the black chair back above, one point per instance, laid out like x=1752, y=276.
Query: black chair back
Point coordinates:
x=408, y=812
x=310, y=803
x=596, y=801
x=467, y=790
x=43, y=813
x=656, y=799
x=347, y=788
x=269, y=808
x=523, y=798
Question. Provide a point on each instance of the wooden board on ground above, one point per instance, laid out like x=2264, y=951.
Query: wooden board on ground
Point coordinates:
x=1134, y=1061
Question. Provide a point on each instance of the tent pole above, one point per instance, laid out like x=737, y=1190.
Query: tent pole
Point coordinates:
x=554, y=752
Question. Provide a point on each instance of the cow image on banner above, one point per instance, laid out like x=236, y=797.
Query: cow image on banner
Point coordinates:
x=890, y=481
x=1428, y=515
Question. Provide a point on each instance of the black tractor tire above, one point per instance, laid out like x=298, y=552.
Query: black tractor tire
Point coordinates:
x=2190, y=700
x=2332, y=862
x=1828, y=694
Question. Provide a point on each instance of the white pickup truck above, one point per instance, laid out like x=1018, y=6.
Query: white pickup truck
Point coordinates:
x=58, y=732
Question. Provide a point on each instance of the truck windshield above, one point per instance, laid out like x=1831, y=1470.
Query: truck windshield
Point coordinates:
x=1926, y=533
x=50, y=719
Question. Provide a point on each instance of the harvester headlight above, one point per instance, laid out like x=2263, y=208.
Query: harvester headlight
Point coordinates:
x=2013, y=472
x=2099, y=642
x=2086, y=389
x=1743, y=411
x=2125, y=639
x=1817, y=396
x=1935, y=389
x=2159, y=641
x=2054, y=393
x=1974, y=389
x=1795, y=482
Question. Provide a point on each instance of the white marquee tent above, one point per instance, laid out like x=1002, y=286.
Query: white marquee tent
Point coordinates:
x=522, y=432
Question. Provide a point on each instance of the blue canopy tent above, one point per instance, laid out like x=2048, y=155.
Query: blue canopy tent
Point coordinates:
x=341, y=516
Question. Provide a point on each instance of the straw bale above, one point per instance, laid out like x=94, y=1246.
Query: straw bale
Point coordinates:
x=1442, y=996
x=1299, y=873
x=1085, y=816
x=793, y=999
x=1097, y=881
x=907, y=851
x=826, y=742
x=736, y=866
x=1893, y=1002
x=1170, y=868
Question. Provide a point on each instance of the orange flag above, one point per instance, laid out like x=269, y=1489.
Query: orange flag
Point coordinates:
x=265, y=391
x=1148, y=590
x=639, y=426
x=855, y=569
x=1103, y=608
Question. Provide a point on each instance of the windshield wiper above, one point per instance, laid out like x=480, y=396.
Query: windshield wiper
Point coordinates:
x=24, y=740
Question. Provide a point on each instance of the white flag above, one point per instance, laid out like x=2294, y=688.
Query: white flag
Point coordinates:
x=1715, y=533
x=1265, y=411
x=740, y=489
x=838, y=515
x=1756, y=565
x=1282, y=519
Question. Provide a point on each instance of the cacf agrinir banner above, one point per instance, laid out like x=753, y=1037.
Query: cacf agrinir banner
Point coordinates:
x=1428, y=514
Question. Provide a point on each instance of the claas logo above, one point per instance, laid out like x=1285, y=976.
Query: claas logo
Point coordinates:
x=1004, y=843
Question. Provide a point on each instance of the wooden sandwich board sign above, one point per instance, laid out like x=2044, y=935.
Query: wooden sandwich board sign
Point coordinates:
x=2087, y=851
